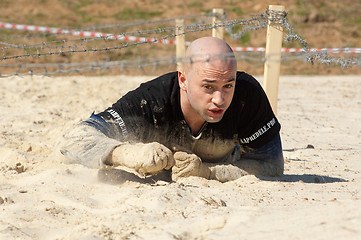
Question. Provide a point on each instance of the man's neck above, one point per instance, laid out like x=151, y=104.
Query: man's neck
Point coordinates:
x=195, y=126
x=194, y=121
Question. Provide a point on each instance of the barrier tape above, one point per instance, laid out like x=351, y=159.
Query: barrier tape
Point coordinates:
x=163, y=41
x=81, y=33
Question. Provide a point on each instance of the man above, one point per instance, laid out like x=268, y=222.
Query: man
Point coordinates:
x=207, y=120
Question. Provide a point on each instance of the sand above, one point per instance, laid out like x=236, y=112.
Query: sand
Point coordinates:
x=43, y=197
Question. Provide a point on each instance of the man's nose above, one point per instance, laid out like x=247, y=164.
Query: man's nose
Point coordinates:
x=218, y=98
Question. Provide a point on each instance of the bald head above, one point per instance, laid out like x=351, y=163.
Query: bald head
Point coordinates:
x=207, y=82
x=208, y=45
x=209, y=50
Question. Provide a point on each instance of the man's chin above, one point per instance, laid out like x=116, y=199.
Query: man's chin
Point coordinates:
x=213, y=119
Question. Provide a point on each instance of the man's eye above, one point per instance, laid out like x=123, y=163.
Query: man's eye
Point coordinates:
x=207, y=87
x=228, y=86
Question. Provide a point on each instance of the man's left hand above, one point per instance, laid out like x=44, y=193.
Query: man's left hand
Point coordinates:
x=189, y=164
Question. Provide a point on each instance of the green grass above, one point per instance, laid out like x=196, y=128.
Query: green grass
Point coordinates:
x=84, y=3
x=237, y=11
x=195, y=4
x=128, y=14
x=246, y=38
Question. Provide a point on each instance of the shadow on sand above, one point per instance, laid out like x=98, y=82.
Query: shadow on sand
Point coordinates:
x=306, y=178
x=119, y=176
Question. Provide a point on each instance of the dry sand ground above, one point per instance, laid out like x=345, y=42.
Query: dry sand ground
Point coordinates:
x=41, y=197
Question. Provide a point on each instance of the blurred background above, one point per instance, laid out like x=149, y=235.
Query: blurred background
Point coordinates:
x=322, y=23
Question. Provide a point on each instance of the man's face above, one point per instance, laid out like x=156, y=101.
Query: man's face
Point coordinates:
x=210, y=89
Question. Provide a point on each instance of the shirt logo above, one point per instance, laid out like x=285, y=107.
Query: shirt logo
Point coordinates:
x=260, y=132
x=119, y=121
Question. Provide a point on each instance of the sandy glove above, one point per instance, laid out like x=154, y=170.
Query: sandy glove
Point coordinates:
x=188, y=164
x=149, y=158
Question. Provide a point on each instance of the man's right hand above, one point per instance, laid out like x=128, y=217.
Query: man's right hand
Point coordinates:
x=149, y=158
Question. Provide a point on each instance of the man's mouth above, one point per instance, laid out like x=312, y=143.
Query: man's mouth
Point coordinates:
x=216, y=111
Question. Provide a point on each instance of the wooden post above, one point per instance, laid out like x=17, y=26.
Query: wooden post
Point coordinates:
x=217, y=32
x=180, y=43
x=273, y=57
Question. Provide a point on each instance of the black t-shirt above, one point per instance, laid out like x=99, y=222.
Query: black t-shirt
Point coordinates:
x=152, y=112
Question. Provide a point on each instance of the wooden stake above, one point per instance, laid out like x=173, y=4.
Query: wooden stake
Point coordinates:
x=217, y=32
x=180, y=42
x=273, y=58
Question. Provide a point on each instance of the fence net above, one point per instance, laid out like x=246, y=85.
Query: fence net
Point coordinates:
x=37, y=50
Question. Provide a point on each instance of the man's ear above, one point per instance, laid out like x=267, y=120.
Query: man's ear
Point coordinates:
x=182, y=81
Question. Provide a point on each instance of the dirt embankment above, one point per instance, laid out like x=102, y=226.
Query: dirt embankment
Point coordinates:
x=324, y=24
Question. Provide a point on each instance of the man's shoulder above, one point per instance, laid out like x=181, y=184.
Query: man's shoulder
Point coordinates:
x=246, y=79
x=166, y=80
x=162, y=87
x=159, y=91
x=246, y=83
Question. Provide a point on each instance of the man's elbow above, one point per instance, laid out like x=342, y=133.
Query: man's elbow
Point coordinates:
x=275, y=169
x=278, y=171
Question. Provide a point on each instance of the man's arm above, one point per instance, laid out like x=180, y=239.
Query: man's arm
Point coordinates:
x=229, y=172
x=265, y=161
x=87, y=144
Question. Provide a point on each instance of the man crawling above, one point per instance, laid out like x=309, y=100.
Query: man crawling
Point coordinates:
x=207, y=120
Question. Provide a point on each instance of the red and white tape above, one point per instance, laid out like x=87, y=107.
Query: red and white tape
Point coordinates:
x=81, y=33
x=163, y=41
